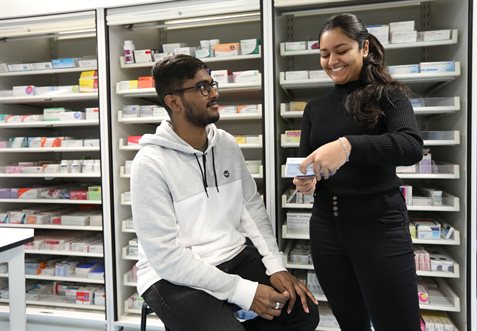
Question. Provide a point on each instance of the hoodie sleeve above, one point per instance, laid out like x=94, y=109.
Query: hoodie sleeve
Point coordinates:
x=159, y=236
x=257, y=225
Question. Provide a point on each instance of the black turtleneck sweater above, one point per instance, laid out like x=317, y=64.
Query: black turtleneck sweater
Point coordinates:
x=375, y=152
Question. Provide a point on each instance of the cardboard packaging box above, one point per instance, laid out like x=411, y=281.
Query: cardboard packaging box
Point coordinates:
x=434, y=35
x=41, y=66
x=19, y=67
x=250, y=46
x=145, y=82
x=64, y=63
x=441, y=66
x=222, y=76
x=295, y=46
x=400, y=37
x=24, y=91
x=296, y=75
x=88, y=81
x=143, y=56
x=401, y=26
x=229, y=49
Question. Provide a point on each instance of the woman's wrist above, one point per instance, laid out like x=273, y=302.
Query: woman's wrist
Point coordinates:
x=346, y=147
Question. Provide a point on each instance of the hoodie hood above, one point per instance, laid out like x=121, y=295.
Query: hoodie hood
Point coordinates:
x=166, y=137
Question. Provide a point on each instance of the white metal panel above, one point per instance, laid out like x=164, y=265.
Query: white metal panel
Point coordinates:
x=351, y=7
x=288, y=3
x=23, y=8
x=473, y=185
x=179, y=10
x=52, y=24
x=268, y=114
x=105, y=166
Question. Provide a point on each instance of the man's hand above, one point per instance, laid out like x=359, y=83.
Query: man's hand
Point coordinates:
x=285, y=282
x=267, y=302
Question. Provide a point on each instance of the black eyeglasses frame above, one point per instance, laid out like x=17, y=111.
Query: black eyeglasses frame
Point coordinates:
x=204, y=87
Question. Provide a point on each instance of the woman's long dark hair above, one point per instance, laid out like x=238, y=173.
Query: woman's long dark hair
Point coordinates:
x=365, y=104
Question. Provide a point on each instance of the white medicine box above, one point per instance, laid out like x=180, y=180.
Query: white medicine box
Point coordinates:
x=401, y=26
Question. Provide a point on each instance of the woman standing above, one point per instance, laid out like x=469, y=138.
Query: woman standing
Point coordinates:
x=354, y=137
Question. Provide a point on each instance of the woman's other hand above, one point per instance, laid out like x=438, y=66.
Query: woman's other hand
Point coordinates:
x=327, y=159
x=305, y=185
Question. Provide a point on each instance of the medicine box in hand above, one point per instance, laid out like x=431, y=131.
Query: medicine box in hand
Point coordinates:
x=292, y=168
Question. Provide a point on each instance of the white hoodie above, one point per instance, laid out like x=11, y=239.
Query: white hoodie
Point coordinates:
x=191, y=211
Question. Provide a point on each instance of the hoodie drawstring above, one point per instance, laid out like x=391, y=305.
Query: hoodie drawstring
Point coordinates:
x=204, y=176
x=203, y=171
x=215, y=173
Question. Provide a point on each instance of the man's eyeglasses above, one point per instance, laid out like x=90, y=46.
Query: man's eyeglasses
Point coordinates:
x=203, y=86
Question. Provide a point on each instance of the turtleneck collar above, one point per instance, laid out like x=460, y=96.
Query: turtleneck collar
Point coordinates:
x=350, y=86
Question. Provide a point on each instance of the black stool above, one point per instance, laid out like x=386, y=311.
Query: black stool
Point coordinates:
x=146, y=310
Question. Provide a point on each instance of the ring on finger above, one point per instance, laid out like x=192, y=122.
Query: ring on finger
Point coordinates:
x=277, y=305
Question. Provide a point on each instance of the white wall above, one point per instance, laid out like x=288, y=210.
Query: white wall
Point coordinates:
x=19, y=8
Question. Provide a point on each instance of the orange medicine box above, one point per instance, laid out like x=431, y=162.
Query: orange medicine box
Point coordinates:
x=133, y=140
x=227, y=49
x=247, y=108
x=145, y=82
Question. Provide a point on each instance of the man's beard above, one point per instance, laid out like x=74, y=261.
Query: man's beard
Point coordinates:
x=203, y=119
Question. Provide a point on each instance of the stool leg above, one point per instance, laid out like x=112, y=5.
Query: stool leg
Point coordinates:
x=143, y=316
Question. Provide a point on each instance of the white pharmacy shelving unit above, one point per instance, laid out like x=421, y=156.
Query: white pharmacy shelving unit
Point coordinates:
x=440, y=105
x=151, y=27
x=42, y=40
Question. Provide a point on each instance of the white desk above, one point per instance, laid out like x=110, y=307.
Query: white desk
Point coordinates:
x=11, y=251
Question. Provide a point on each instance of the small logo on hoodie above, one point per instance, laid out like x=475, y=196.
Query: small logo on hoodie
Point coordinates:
x=226, y=173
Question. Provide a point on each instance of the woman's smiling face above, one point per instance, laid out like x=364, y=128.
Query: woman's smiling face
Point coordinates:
x=341, y=57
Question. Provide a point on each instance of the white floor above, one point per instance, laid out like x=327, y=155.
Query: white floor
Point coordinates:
x=4, y=326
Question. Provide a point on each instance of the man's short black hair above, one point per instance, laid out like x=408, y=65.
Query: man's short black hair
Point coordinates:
x=170, y=73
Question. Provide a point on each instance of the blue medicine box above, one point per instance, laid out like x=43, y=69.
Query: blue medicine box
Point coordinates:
x=67, y=62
